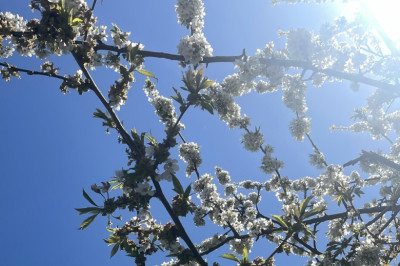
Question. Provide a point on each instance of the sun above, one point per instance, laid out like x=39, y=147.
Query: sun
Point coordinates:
x=382, y=15
x=386, y=14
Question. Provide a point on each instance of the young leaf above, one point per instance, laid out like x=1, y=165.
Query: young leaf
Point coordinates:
x=230, y=256
x=100, y=114
x=87, y=222
x=119, y=185
x=88, y=209
x=86, y=196
x=146, y=73
x=304, y=204
x=177, y=185
x=280, y=220
x=187, y=191
x=114, y=250
x=245, y=254
x=207, y=83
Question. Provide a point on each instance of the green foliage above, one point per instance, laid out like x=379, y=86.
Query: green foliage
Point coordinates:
x=242, y=262
x=107, y=119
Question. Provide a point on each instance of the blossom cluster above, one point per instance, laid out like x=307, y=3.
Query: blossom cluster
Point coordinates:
x=193, y=47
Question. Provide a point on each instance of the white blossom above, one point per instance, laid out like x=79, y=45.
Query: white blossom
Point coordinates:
x=252, y=140
x=194, y=48
x=294, y=90
x=299, y=127
x=191, y=14
x=190, y=154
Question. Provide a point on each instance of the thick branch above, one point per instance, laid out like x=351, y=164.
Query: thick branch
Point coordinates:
x=344, y=214
x=128, y=140
x=182, y=231
x=273, y=62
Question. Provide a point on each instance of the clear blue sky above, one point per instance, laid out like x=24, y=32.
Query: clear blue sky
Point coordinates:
x=51, y=147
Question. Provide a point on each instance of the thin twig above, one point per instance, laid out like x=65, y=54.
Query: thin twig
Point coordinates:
x=32, y=72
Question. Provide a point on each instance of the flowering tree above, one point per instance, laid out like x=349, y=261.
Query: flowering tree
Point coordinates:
x=360, y=231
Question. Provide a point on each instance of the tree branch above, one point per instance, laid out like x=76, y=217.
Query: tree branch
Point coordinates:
x=128, y=140
x=374, y=157
x=393, y=208
x=32, y=72
x=273, y=62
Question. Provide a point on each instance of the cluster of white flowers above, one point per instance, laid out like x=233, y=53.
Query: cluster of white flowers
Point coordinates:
x=116, y=100
x=164, y=108
x=144, y=189
x=194, y=48
x=119, y=37
x=13, y=23
x=191, y=14
x=300, y=44
x=299, y=127
x=222, y=175
x=327, y=182
x=294, y=90
x=228, y=110
x=270, y=164
x=170, y=168
x=235, y=86
x=211, y=242
x=256, y=227
x=337, y=229
x=253, y=140
x=70, y=4
x=368, y=253
x=190, y=154
x=317, y=159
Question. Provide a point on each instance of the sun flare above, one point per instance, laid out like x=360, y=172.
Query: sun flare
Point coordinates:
x=386, y=13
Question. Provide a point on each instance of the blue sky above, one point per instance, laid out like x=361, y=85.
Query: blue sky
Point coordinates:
x=51, y=147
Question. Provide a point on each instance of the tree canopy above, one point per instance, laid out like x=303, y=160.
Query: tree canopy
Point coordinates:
x=291, y=156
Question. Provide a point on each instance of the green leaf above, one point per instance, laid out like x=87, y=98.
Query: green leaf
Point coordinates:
x=87, y=222
x=146, y=73
x=88, y=198
x=88, y=209
x=280, y=220
x=99, y=114
x=151, y=139
x=245, y=254
x=339, y=199
x=76, y=21
x=208, y=107
x=304, y=204
x=187, y=192
x=114, y=250
x=208, y=83
x=119, y=185
x=230, y=256
x=177, y=185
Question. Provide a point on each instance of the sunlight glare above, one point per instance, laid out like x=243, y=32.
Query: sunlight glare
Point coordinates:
x=386, y=13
